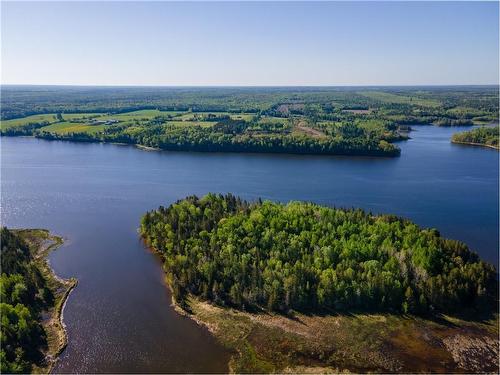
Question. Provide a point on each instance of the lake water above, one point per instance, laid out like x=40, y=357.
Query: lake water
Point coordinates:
x=119, y=317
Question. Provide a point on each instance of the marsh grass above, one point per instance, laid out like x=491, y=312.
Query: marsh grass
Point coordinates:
x=262, y=342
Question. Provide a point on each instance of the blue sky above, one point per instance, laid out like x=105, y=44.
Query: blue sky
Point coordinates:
x=284, y=43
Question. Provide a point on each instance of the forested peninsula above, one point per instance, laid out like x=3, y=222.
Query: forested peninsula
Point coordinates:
x=32, y=299
x=216, y=133
x=301, y=120
x=483, y=136
x=249, y=270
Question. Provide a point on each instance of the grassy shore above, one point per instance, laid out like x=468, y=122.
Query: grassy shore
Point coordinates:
x=476, y=144
x=147, y=148
x=41, y=243
x=265, y=343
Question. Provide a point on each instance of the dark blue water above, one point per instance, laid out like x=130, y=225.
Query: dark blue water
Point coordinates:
x=119, y=318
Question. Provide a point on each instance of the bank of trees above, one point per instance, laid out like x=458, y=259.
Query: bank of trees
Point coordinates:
x=453, y=122
x=24, y=294
x=28, y=129
x=308, y=257
x=487, y=136
x=233, y=136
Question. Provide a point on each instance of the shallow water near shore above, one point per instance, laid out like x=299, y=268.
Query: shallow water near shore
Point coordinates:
x=119, y=318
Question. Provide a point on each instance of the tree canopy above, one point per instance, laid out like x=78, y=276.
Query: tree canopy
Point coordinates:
x=24, y=294
x=485, y=135
x=308, y=257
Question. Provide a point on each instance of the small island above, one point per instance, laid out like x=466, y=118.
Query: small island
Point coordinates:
x=482, y=136
x=300, y=287
x=33, y=298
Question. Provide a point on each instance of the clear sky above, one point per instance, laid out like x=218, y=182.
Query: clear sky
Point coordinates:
x=284, y=43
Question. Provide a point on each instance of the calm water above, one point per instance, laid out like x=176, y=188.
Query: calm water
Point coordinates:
x=119, y=317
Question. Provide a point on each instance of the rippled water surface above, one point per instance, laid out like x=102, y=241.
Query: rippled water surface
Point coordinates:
x=119, y=317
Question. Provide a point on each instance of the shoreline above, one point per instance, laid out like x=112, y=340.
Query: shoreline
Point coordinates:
x=53, y=324
x=147, y=148
x=269, y=342
x=375, y=155
x=57, y=319
x=330, y=343
x=178, y=309
x=476, y=144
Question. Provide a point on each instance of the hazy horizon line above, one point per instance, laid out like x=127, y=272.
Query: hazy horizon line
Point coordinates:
x=252, y=86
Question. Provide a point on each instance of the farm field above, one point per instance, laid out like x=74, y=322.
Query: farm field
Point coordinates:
x=66, y=127
x=97, y=122
x=19, y=122
x=285, y=120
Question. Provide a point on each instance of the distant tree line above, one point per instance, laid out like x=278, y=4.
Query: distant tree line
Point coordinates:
x=18, y=101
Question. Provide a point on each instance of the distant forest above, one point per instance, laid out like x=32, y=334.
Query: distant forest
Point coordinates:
x=298, y=120
x=424, y=103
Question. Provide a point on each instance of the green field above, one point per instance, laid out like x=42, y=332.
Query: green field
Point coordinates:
x=241, y=116
x=72, y=127
x=6, y=124
x=49, y=118
x=146, y=114
x=92, y=123
x=79, y=116
x=205, y=124
x=189, y=116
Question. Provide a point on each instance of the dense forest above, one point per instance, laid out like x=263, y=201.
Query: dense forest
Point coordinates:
x=486, y=136
x=24, y=295
x=447, y=102
x=301, y=120
x=233, y=136
x=303, y=256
